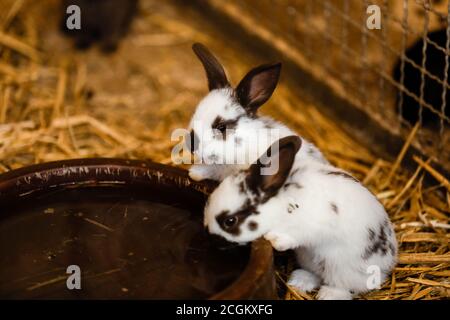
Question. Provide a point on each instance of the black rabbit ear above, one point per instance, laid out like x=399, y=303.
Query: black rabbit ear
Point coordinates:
x=272, y=169
x=217, y=78
x=257, y=86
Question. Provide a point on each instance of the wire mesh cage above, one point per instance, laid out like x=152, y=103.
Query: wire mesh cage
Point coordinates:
x=396, y=72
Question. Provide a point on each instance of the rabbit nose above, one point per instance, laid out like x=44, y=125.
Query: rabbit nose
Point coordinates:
x=192, y=141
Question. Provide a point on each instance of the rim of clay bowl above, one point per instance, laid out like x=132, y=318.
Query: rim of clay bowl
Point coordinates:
x=19, y=183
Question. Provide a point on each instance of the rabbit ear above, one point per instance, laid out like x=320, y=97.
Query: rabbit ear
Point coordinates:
x=282, y=152
x=217, y=78
x=257, y=86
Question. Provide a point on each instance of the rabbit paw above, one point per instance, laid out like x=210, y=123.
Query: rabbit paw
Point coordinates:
x=280, y=241
x=303, y=280
x=333, y=293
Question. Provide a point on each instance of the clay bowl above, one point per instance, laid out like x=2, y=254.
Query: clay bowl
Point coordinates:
x=133, y=228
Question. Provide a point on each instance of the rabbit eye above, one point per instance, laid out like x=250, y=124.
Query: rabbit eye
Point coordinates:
x=222, y=127
x=230, y=222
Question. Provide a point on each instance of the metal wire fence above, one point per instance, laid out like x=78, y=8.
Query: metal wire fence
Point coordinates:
x=390, y=72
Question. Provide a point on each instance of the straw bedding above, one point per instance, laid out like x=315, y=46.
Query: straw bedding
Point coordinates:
x=56, y=103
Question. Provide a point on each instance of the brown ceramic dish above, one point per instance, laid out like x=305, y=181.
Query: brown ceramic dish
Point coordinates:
x=134, y=228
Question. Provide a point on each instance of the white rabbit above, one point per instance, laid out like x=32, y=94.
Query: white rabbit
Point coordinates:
x=225, y=124
x=341, y=234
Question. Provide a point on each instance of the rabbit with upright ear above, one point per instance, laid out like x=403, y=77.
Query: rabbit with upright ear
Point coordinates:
x=341, y=234
x=225, y=125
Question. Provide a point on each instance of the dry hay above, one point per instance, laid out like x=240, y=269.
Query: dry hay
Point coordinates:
x=47, y=113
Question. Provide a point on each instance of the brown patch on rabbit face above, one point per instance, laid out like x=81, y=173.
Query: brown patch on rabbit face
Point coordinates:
x=222, y=125
x=252, y=225
x=242, y=187
x=231, y=223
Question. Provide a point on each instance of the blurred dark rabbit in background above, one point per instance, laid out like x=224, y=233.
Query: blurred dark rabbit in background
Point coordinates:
x=433, y=90
x=102, y=21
